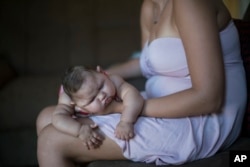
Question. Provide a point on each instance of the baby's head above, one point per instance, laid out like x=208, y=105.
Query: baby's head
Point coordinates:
x=90, y=90
x=73, y=79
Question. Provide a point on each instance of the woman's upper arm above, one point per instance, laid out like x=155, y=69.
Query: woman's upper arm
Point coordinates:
x=196, y=22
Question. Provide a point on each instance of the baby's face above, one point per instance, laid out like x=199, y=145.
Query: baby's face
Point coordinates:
x=95, y=94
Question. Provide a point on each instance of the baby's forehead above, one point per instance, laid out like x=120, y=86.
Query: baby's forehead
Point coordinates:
x=89, y=81
x=90, y=75
x=88, y=87
x=84, y=94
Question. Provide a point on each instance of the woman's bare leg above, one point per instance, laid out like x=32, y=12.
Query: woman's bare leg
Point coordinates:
x=58, y=149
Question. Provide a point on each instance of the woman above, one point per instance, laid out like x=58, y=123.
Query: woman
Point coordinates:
x=196, y=87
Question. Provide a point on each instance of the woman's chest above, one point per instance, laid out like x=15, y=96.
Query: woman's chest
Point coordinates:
x=165, y=56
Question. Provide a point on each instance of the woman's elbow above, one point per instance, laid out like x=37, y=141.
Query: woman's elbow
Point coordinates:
x=215, y=104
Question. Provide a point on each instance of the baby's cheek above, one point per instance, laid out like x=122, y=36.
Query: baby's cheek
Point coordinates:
x=95, y=108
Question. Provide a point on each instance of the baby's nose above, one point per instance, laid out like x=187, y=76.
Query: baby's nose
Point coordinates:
x=78, y=109
x=102, y=95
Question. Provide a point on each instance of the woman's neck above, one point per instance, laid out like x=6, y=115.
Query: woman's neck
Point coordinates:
x=158, y=7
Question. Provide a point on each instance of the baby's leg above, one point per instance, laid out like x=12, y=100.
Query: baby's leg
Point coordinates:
x=58, y=149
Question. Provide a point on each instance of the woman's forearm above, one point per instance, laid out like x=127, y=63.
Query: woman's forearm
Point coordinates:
x=129, y=69
x=183, y=104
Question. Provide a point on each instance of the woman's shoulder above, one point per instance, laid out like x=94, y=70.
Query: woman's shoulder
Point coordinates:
x=213, y=8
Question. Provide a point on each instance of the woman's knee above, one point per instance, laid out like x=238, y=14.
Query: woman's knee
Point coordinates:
x=55, y=147
x=44, y=118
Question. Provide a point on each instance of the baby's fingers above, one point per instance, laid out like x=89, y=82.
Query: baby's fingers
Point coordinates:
x=124, y=135
x=93, y=143
x=97, y=136
x=94, y=126
x=130, y=135
x=96, y=141
x=90, y=145
x=86, y=144
x=120, y=136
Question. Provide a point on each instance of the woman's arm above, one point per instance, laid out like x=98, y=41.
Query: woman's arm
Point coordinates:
x=196, y=22
x=129, y=69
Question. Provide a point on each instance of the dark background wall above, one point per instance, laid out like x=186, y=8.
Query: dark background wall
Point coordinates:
x=46, y=36
x=39, y=39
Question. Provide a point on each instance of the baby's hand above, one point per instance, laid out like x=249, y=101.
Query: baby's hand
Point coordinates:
x=124, y=130
x=90, y=137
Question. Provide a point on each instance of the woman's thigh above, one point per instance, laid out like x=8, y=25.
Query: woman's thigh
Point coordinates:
x=54, y=147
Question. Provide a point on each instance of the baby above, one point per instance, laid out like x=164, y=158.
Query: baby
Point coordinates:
x=88, y=92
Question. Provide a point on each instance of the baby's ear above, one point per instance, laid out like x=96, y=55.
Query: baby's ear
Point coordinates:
x=98, y=69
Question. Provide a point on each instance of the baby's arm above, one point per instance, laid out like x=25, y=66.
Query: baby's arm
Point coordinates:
x=133, y=103
x=63, y=121
x=62, y=116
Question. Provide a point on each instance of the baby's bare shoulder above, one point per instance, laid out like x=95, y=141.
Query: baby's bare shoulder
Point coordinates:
x=117, y=80
x=114, y=107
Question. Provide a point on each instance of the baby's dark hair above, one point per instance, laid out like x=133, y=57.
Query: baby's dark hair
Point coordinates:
x=73, y=79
